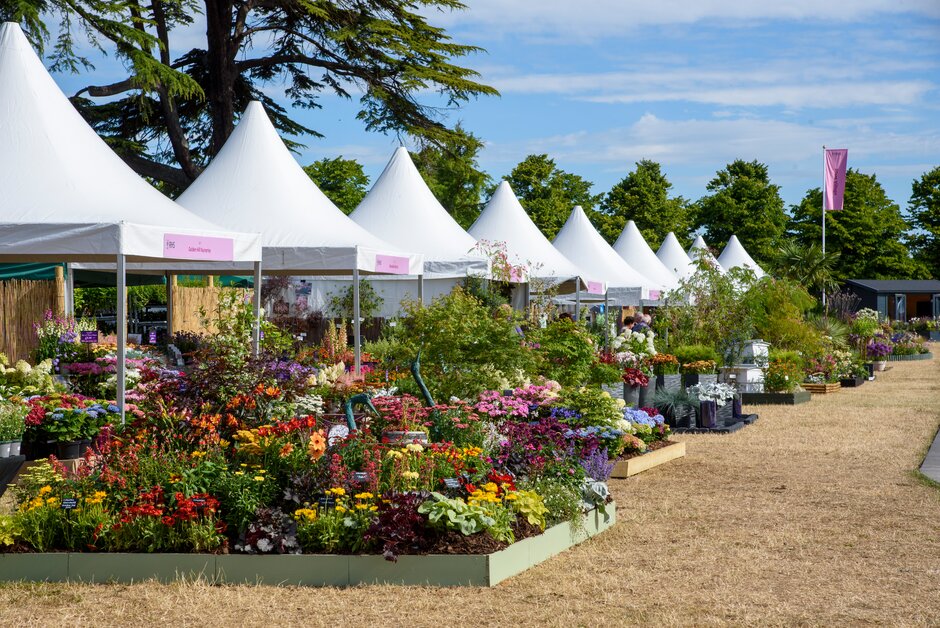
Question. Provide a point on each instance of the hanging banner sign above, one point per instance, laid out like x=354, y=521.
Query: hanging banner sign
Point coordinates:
x=391, y=264
x=655, y=295
x=198, y=247
x=595, y=287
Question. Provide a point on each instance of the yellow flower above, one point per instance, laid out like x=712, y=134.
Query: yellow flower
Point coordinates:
x=410, y=475
x=340, y=509
x=490, y=487
x=223, y=443
x=198, y=454
x=393, y=454
x=414, y=447
x=305, y=514
x=259, y=478
x=364, y=496
x=45, y=490
x=362, y=506
x=51, y=500
x=243, y=465
x=511, y=497
x=337, y=491
x=373, y=508
x=239, y=473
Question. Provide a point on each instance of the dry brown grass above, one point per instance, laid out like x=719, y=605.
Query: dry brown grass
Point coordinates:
x=811, y=516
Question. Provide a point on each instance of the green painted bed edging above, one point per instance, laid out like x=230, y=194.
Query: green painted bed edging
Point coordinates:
x=306, y=569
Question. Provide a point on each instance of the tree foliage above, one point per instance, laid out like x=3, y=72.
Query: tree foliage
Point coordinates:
x=806, y=265
x=342, y=180
x=924, y=208
x=168, y=115
x=868, y=234
x=643, y=197
x=453, y=174
x=548, y=193
x=745, y=203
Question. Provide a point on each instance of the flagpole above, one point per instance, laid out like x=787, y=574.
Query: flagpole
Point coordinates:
x=824, y=223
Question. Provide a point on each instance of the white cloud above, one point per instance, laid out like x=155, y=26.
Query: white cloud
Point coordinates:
x=563, y=18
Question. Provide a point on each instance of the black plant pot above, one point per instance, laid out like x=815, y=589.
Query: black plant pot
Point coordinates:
x=68, y=450
x=631, y=395
x=669, y=382
x=690, y=379
x=83, y=446
x=646, y=395
x=736, y=411
x=871, y=369
x=708, y=414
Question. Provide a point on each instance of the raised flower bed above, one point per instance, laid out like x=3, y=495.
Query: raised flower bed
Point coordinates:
x=639, y=463
x=308, y=569
x=776, y=398
x=823, y=388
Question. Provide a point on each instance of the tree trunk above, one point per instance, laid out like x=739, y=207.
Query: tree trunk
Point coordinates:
x=220, y=90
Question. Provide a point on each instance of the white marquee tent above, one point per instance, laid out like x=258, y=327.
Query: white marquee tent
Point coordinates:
x=580, y=242
x=675, y=259
x=699, y=247
x=734, y=255
x=67, y=197
x=632, y=247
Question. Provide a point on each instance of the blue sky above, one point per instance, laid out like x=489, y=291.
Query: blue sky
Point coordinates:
x=693, y=84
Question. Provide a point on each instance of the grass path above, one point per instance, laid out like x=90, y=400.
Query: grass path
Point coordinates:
x=811, y=516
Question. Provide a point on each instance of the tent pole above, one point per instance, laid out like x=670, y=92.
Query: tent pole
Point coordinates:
x=421, y=289
x=121, y=322
x=256, y=332
x=170, y=283
x=606, y=321
x=69, y=290
x=527, y=297
x=357, y=339
x=577, y=300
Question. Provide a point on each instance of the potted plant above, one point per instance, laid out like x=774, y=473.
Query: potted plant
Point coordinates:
x=878, y=352
x=402, y=419
x=666, y=368
x=64, y=426
x=714, y=403
x=698, y=372
x=676, y=407
x=12, y=427
x=635, y=381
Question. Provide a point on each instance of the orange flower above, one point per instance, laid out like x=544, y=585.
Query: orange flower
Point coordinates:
x=286, y=450
x=317, y=445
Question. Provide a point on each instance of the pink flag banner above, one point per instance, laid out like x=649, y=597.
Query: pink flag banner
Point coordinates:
x=595, y=287
x=836, y=159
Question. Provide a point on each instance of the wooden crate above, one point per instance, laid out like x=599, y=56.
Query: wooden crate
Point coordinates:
x=822, y=389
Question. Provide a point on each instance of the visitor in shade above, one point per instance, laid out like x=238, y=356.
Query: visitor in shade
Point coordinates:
x=629, y=322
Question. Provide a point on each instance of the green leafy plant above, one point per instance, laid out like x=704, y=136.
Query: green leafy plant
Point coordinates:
x=566, y=351
x=695, y=353
x=370, y=303
x=456, y=514
x=530, y=505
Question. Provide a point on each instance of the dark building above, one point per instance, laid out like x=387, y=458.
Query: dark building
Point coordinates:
x=899, y=299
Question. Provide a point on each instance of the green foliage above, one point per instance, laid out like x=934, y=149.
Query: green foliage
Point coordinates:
x=343, y=181
x=566, y=351
x=170, y=114
x=868, y=233
x=92, y=301
x=548, y=193
x=707, y=309
x=601, y=373
x=456, y=514
x=529, y=504
x=595, y=406
x=453, y=174
x=806, y=265
x=744, y=203
x=12, y=420
x=777, y=308
x=924, y=209
x=695, y=353
x=782, y=376
x=465, y=348
x=341, y=304
x=643, y=197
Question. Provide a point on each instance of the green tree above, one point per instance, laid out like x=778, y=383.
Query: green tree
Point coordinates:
x=548, y=193
x=805, y=265
x=924, y=208
x=453, y=174
x=643, y=197
x=342, y=180
x=167, y=116
x=744, y=203
x=868, y=234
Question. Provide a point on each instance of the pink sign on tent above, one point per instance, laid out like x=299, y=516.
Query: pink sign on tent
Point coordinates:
x=178, y=246
x=516, y=274
x=836, y=160
x=595, y=287
x=654, y=295
x=391, y=264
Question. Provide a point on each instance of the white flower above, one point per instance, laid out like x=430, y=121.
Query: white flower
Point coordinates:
x=265, y=545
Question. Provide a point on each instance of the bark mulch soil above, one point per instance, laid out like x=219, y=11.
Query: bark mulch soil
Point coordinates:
x=812, y=516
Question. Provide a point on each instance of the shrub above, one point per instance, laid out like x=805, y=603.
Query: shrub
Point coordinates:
x=695, y=353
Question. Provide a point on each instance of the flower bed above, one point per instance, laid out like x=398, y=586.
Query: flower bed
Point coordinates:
x=822, y=388
x=913, y=356
x=638, y=463
x=308, y=570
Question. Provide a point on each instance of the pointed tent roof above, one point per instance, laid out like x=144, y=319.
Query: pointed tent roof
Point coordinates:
x=580, y=242
x=504, y=220
x=68, y=196
x=672, y=256
x=632, y=246
x=735, y=256
x=255, y=183
x=401, y=209
x=699, y=245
